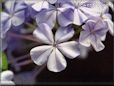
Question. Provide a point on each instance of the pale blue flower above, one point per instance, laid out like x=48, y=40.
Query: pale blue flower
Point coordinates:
x=94, y=31
x=80, y=11
x=56, y=47
x=55, y=13
x=14, y=15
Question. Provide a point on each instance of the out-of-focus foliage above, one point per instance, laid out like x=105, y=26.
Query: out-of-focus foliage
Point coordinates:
x=3, y=61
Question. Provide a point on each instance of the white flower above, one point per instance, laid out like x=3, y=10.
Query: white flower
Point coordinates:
x=6, y=78
x=56, y=47
x=94, y=31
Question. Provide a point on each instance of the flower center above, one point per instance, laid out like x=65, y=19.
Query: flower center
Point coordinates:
x=54, y=45
x=12, y=14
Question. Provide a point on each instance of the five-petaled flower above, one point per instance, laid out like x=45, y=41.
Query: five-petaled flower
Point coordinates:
x=94, y=31
x=14, y=15
x=56, y=47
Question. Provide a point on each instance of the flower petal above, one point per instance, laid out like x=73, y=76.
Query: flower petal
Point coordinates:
x=63, y=34
x=97, y=45
x=56, y=61
x=79, y=17
x=5, y=26
x=4, y=16
x=9, y=6
x=110, y=26
x=42, y=4
x=89, y=11
x=44, y=34
x=18, y=18
x=30, y=2
x=65, y=17
x=52, y=1
x=48, y=17
x=69, y=49
x=7, y=75
x=84, y=38
x=40, y=54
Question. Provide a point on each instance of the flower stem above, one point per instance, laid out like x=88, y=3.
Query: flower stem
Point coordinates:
x=26, y=37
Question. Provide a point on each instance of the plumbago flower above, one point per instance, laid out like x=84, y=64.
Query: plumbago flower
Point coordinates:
x=6, y=78
x=104, y=14
x=80, y=11
x=53, y=13
x=94, y=31
x=12, y=16
x=109, y=23
x=55, y=47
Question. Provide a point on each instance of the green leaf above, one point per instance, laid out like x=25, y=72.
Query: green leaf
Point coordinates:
x=3, y=61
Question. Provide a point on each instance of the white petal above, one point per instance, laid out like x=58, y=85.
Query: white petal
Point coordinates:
x=110, y=25
x=44, y=34
x=4, y=16
x=30, y=2
x=9, y=5
x=84, y=38
x=97, y=45
x=40, y=5
x=63, y=34
x=18, y=18
x=7, y=75
x=69, y=49
x=5, y=26
x=89, y=11
x=79, y=17
x=40, y=54
x=48, y=17
x=56, y=61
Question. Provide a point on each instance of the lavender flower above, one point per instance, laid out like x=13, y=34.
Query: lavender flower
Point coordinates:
x=54, y=14
x=56, y=48
x=14, y=15
x=94, y=31
x=80, y=11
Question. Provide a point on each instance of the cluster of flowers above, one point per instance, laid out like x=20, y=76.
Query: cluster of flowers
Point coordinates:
x=63, y=27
